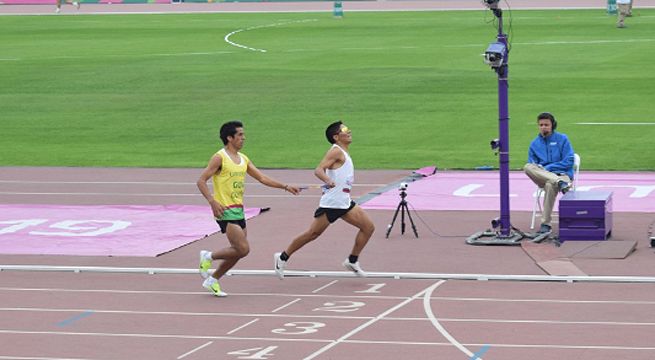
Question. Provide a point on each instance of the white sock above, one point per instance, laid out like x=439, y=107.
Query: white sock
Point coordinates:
x=208, y=256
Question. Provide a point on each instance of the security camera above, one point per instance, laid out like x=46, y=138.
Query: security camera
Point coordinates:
x=495, y=54
x=402, y=186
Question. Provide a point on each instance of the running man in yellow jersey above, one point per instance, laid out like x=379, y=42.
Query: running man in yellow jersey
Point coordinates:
x=227, y=169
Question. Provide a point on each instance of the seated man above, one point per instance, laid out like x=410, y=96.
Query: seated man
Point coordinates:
x=550, y=164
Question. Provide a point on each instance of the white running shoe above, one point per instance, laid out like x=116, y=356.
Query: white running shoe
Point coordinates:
x=214, y=287
x=279, y=265
x=76, y=4
x=205, y=263
x=354, y=268
x=57, y=10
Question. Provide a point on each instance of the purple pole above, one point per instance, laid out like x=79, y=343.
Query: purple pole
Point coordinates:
x=503, y=130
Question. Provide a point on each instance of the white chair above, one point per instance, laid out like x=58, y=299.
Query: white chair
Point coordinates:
x=537, y=207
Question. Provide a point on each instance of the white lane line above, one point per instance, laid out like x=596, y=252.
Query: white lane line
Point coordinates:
x=553, y=301
x=437, y=325
x=195, y=293
x=177, y=313
x=510, y=346
x=324, y=286
x=242, y=326
x=194, y=350
x=369, y=323
x=286, y=305
x=159, y=336
x=341, y=317
x=279, y=339
x=227, y=37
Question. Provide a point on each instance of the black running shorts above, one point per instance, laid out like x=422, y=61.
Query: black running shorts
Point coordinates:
x=223, y=224
x=333, y=214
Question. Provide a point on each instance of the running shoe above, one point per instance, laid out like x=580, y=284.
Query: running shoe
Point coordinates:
x=279, y=265
x=214, y=287
x=205, y=263
x=76, y=4
x=354, y=268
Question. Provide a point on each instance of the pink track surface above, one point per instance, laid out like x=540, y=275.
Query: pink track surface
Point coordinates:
x=58, y=315
x=108, y=230
x=479, y=190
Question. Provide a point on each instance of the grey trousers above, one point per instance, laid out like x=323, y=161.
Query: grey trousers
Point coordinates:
x=547, y=181
x=624, y=10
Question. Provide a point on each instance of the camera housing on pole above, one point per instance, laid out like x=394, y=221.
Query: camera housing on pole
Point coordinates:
x=497, y=56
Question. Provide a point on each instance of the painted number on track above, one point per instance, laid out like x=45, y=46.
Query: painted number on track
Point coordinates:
x=304, y=327
x=254, y=353
x=66, y=228
x=341, y=306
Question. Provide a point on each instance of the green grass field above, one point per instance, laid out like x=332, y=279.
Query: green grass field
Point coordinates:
x=152, y=90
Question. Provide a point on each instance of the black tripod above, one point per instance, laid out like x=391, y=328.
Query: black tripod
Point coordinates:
x=402, y=208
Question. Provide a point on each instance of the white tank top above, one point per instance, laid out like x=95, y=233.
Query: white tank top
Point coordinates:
x=343, y=177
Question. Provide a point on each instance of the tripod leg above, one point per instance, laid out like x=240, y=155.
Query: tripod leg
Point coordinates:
x=393, y=220
x=411, y=221
x=402, y=217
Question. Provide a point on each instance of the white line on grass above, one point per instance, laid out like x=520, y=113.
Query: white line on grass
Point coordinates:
x=581, y=42
x=615, y=123
x=121, y=56
x=227, y=37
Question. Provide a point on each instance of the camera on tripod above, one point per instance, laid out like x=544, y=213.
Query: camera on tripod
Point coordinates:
x=403, y=209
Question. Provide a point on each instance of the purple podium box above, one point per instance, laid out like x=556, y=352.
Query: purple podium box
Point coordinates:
x=585, y=215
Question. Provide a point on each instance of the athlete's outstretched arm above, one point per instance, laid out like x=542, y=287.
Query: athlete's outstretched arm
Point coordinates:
x=268, y=181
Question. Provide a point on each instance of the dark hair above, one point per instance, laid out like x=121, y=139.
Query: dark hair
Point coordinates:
x=332, y=130
x=549, y=116
x=229, y=129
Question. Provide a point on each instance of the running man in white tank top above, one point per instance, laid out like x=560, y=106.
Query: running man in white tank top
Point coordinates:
x=336, y=170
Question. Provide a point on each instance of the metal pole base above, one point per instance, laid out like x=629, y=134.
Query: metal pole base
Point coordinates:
x=493, y=238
